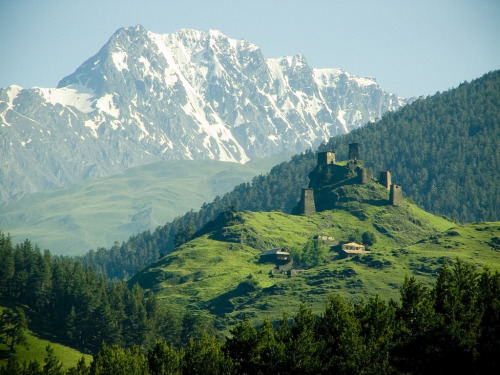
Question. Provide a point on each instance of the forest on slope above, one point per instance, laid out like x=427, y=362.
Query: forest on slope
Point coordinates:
x=441, y=149
x=453, y=327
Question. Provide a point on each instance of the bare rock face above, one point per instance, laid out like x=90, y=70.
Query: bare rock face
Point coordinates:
x=146, y=97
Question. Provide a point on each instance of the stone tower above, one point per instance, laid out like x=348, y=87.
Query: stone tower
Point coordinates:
x=385, y=179
x=396, y=195
x=353, y=151
x=364, y=175
x=308, y=206
x=327, y=157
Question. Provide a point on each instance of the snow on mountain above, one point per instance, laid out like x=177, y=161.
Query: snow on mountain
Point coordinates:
x=186, y=95
x=74, y=95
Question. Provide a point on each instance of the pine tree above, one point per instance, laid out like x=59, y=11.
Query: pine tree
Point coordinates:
x=340, y=340
x=206, y=357
x=164, y=360
x=242, y=347
x=12, y=327
x=52, y=366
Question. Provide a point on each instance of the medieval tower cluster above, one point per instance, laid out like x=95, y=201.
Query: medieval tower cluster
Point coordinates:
x=328, y=173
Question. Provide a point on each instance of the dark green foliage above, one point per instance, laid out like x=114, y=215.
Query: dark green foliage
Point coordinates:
x=443, y=150
x=12, y=327
x=51, y=366
x=164, y=360
x=368, y=238
x=339, y=334
x=119, y=361
x=81, y=368
x=377, y=321
x=312, y=255
x=243, y=347
x=206, y=357
x=451, y=328
x=75, y=304
x=193, y=326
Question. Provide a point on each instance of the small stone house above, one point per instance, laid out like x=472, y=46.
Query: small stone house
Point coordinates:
x=352, y=249
x=275, y=256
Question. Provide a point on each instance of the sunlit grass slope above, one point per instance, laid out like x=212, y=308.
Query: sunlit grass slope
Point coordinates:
x=35, y=351
x=219, y=272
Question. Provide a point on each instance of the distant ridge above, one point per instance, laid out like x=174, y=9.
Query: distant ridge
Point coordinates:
x=146, y=97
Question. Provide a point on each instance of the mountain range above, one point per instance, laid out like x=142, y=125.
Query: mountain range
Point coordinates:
x=146, y=97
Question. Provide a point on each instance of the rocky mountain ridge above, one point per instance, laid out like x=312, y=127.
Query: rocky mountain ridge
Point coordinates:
x=146, y=97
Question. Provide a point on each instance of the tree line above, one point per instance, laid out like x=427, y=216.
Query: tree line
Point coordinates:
x=443, y=150
x=453, y=327
x=71, y=302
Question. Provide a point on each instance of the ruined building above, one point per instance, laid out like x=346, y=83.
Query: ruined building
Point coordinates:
x=354, y=151
x=307, y=201
x=396, y=195
x=385, y=179
x=329, y=175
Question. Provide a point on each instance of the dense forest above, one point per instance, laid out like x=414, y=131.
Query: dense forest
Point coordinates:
x=453, y=327
x=442, y=150
x=71, y=302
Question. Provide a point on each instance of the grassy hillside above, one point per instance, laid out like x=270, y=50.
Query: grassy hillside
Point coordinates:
x=35, y=351
x=441, y=149
x=99, y=212
x=219, y=272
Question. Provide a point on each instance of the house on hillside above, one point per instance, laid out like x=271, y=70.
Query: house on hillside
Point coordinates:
x=352, y=249
x=275, y=256
x=326, y=240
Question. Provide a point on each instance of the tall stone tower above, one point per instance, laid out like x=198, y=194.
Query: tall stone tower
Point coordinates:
x=327, y=157
x=308, y=206
x=385, y=179
x=353, y=151
x=396, y=195
x=364, y=175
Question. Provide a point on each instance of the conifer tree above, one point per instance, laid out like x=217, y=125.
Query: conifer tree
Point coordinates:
x=164, y=360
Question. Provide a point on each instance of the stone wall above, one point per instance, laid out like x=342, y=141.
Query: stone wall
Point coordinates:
x=364, y=175
x=326, y=158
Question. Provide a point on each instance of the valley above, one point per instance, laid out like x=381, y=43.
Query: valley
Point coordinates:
x=182, y=204
x=99, y=212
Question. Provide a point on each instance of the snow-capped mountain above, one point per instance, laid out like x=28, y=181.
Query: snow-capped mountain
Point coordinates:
x=187, y=95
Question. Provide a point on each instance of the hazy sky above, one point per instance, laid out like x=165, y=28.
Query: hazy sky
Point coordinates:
x=412, y=47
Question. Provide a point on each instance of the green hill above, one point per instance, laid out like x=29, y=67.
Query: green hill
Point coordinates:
x=219, y=271
x=99, y=212
x=441, y=149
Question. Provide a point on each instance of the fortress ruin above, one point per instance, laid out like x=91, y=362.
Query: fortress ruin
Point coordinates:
x=330, y=174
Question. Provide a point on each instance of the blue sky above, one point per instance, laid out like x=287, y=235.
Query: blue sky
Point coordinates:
x=411, y=47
